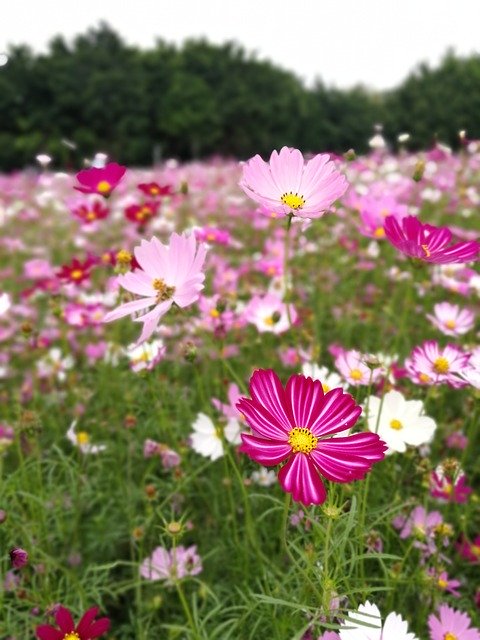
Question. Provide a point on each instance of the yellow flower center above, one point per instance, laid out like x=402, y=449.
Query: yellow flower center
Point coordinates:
x=215, y=313
x=450, y=636
x=82, y=437
x=424, y=378
x=124, y=257
x=76, y=274
x=302, y=440
x=442, y=583
x=396, y=424
x=104, y=187
x=325, y=387
x=91, y=215
x=164, y=291
x=450, y=324
x=426, y=250
x=441, y=365
x=475, y=549
x=270, y=321
x=211, y=237
x=379, y=232
x=293, y=200
x=356, y=374
x=71, y=636
x=154, y=191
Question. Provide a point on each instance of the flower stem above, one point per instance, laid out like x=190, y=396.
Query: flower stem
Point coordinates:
x=186, y=609
x=286, y=266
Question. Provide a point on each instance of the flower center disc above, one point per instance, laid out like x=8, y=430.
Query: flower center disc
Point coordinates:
x=104, y=187
x=71, y=636
x=164, y=291
x=441, y=365
x=449, y=636
x=302, y=440
x=396, y=424
x=293, y=200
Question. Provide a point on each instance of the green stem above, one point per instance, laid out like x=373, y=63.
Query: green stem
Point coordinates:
x=286, y=266
x=186, y=609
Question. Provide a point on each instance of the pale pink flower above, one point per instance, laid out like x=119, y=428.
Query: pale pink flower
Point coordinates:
x=172, y=565
x=451, y=625
x=451, y=320
x=351, y=364
x=269, y=314
x=168, y=274
x=431, y=364
x=288, y=186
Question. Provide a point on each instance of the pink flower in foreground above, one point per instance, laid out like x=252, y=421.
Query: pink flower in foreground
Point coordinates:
x=100, y=180
x=451, y=625
x=167, y=275
x=296, y=425
x=431, y=364
x=286, y=185
x=87, y=629
x=451, y=320
x=428, y=243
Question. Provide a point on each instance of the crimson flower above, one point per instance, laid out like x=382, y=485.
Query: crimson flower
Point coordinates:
x=76, y=272
x=141, y=213
x=155, y=190
x=91, y=213
x=296, y=425
x=100, y=180
x=87, y=629
x=428, y=243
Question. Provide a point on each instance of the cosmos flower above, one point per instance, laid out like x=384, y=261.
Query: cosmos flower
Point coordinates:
x=269, y=314
x=141, y=213
x=286, y=185
x=206, y=438
x=351, y=365
x=358, y=625
x=449, y=488
x=146, y=356
x=451, y=625
x=470, y=550
x=167, y=275
x=295, y=425
x=329, y=380
x=5, y=303
x=81, y=439
x=154, y=190
x=18, y=558
x=451, y=320
x=87, y=629
x=431, y=364
x=89, y=213
x=428, y=243
x=170, y=566
x=100, y=180
x=441, y=580
x=399, y=421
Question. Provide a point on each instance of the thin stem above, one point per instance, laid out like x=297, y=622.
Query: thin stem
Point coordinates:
x=186, y=609
x=286, y=266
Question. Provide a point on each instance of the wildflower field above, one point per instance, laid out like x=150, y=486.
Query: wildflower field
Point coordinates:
x=241, y=400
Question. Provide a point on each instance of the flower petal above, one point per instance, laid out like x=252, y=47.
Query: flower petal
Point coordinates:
x=266, y=452
x=338, y=413
x=300, y=478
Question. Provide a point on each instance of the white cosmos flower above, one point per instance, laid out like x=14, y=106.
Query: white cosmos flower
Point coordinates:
x=81, y=439
x=206, y=438
x=5, y=303
x=146, y=355
x=328, y=379
x=264, y=477
x=366, y=624
x=400, y=422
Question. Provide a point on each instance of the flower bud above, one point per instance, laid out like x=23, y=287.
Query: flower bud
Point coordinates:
x=18, y=557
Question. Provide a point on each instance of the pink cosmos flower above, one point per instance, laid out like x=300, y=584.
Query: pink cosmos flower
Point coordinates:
x=100, y=180
x=428, y=243
x=451, y=320
x=87, y=629
x=351, y=364
x=172, y=565
x=167, y=275
x=448, y=489
x=451, y=625
x=470, y=550
x=295, y=425
x=374, y=210
x=430, y=364
x=269, y=314
x=286, y=185
x=444, y=583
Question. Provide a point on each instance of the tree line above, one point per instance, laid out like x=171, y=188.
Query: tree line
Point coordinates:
x=201, y=99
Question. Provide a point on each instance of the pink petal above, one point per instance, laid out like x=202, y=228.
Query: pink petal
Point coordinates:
x=339, y=412
x=306, y=399
x=266, y=389
x=300, y=478
x=87, y=619
x=261, y=421
x=98, y=628
x=128, y=308
x=46, y=632
x=263, y=451
x=64, y=619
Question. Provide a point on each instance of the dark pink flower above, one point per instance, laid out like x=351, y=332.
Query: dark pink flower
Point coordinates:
x=428, y=243
x=87, y=629
x=100, y=180
x=296, y=424
x=154, y=190
x=470, y=550
x=18, y=558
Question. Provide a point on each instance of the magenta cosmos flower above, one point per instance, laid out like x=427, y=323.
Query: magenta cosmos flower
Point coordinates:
x=167, y=275
x=100, y=180
x=296, y=425
x=286, y=185
x=87, y=629
x=451, y=625
x=428, y=243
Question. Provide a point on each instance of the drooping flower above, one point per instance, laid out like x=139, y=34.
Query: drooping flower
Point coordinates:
x=428, y=243
x=167, y=275
x=366, y=624
x=295, y=425
x=87, y=629
x=170, y=566
x=431, y=364
x=399, y=421
x=451, y=625
x=286, y=185
x=100, y=180
x=451, y=320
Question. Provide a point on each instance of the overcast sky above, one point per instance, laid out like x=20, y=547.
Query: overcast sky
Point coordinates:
x=344, y=42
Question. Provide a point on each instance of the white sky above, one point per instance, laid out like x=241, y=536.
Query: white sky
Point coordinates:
x=344, y=42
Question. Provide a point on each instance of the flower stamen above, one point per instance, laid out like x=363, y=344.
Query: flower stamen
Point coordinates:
x=293, y=200
x=165, y=292
x=302, y=440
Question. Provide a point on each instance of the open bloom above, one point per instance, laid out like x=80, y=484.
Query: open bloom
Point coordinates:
x=366, y=624
x=81, y=439
x=100, y=180
x=451, y=625
x=172, y=565
x=451, y=320
x=428, y=243
x=269, y=314
x=399, y=421
x=296, y=424
x=167, y=275
x=87, y=629
x=286, y=185
x=430, y=364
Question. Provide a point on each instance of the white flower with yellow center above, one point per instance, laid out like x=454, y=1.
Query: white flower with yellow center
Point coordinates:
x=399, y=422
x=81, y=440
x=207, y=438
x=329, y=380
